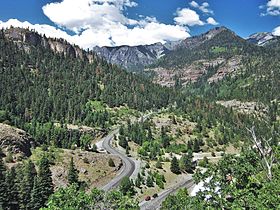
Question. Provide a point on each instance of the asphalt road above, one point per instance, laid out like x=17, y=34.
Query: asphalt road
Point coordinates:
x=128, y=164
x=156, y=202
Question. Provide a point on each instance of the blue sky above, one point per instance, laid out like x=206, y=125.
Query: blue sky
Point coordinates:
x=118, y=22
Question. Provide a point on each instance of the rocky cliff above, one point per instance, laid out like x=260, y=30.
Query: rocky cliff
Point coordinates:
x=15, y=141
x=132, y=57
x=25, y=38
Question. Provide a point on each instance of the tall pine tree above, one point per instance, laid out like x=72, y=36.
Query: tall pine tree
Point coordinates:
x=175, y=166
x=25, y=177
x=3, y=186
x=43, y=187
x=72, y=173
x=12, y=189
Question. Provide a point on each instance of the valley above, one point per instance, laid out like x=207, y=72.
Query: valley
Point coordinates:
x=139, y=127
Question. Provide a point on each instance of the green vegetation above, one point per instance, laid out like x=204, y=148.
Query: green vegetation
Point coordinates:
x=73, y=177
x=175, y=166
x=242, y=183
x=218, y=49
x=111, y=163
x=45, y=92
x=71, y=198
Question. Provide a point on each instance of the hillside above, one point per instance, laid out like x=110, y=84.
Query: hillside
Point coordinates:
x=50, y=85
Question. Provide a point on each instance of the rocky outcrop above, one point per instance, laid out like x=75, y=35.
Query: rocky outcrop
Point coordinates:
x=25, y=38
x=262, y=38
x=15, y=141
x=133, y=57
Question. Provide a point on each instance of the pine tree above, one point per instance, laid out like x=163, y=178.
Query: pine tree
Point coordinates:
x=111, y=163
x=126, y=186
x=150, y=181
x=25, y=177
x=12, y=189
x=186, y=162
x=44, y=181
x=36, y=201
x=3, y=186
x=72, y=173
x=175, y=166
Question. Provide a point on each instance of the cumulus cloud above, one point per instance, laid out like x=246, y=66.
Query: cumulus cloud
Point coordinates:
x=42, y=29
x=204, y=7
x=272, y=8
x=187, y=17
x=276, y=31
x=104, y=23
x=212, y=21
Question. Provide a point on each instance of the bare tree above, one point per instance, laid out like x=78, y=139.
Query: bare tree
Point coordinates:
x=265, y=151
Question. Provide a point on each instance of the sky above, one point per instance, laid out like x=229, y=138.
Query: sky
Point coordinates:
x=90, y=23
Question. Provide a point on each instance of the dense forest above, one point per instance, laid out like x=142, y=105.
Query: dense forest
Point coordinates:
x=43, y=85
x=41, y=88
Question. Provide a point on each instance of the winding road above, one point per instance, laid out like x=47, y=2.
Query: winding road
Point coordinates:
x=128, y=169
x=128, y=164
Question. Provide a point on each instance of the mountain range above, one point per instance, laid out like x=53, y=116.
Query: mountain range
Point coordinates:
x=136, y=58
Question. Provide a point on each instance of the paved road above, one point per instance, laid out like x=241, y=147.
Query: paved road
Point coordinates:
x=128, y=163
x=156, y=203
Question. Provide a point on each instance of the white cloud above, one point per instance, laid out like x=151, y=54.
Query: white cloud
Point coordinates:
x=212, y=21
x=276, y=31
x=104, y=23
x=188, y=17
x=272, y=8
x=194, y=4
x=204, y=7
x=48, y=30
x=87, y=13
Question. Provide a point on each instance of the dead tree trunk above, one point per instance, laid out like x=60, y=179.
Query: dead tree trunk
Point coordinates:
x=265, y=151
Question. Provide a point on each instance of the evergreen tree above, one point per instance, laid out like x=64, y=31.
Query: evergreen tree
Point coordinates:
x=3, y=186
x=175, y=166
x=186, y=162
x=72, y=173
x=44, y=181
x=123, y=142
x=25, y=177
x=164, y=138
x=111, y=163
x=12, y=189
x=126, y=186
x=196, y=146
x=36, y=201
x=150, y=181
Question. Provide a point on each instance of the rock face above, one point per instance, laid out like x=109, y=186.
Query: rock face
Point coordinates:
x=15, y=140
x=133, y=57
x=26, y=38
x=261, y=39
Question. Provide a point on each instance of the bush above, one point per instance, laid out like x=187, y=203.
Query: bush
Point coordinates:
x=204, y=162
x=158, y=165
x=9, y=158
x=111, y=163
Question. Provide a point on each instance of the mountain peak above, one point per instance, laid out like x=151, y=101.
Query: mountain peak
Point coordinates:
x=261, y=38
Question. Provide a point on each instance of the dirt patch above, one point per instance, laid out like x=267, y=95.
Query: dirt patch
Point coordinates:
x=93, y=168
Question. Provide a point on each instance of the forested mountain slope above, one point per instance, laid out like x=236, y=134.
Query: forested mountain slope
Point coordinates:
x=46, y=80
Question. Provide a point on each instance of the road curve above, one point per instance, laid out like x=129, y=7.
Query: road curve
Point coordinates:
x=128, y=164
